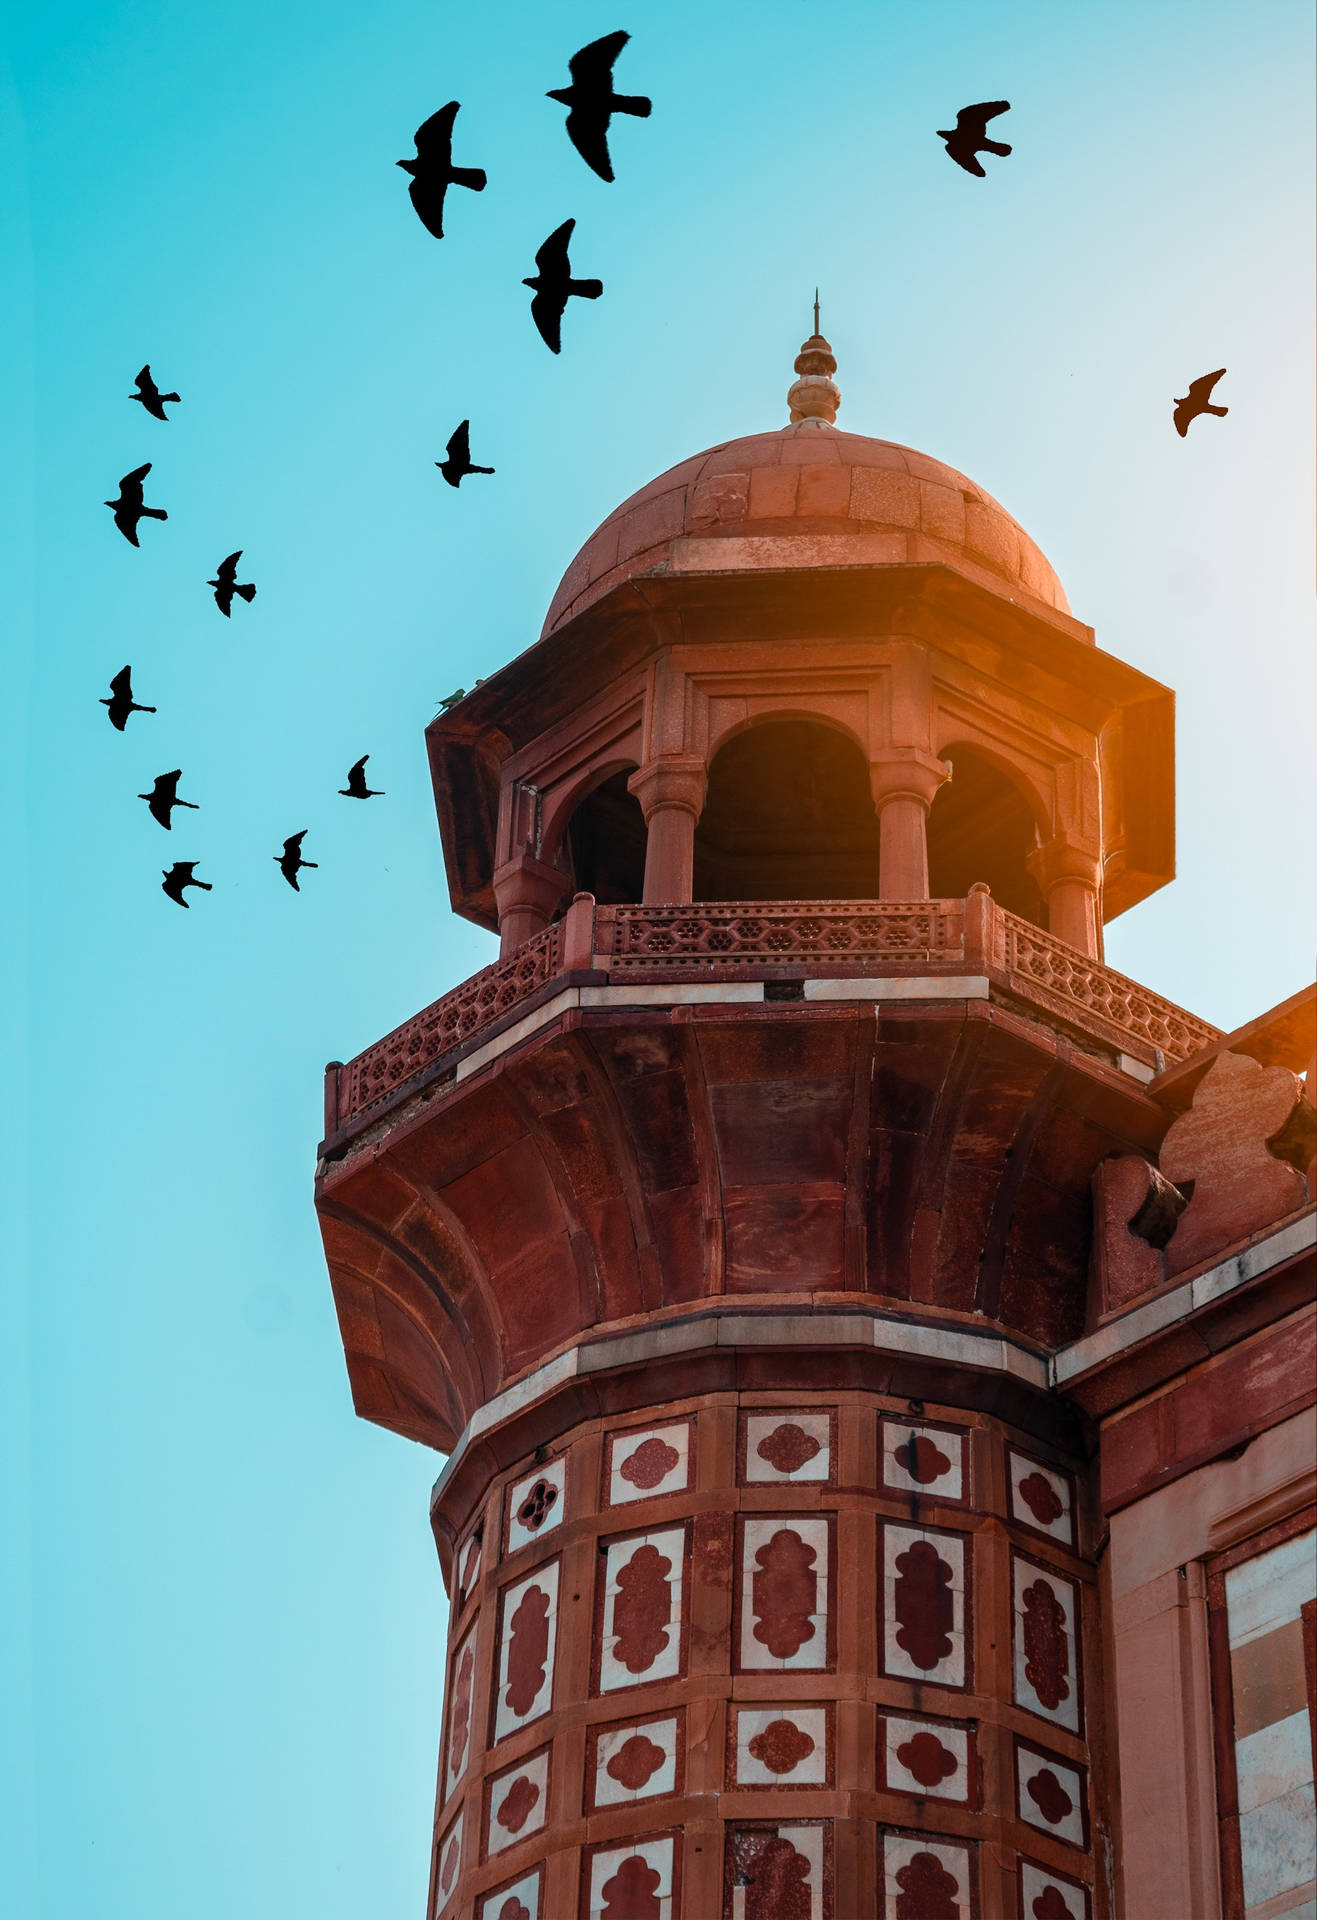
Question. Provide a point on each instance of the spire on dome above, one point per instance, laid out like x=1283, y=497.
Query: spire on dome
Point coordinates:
x=815, y=396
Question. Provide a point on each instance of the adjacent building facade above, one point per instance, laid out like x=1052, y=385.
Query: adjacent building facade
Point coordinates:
x=872, y=1340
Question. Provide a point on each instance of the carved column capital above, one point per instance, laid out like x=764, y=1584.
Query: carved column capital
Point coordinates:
x=1064, y=858
x=671, y=780
x=905, y=773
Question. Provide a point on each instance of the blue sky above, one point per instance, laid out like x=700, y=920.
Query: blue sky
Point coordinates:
x=226, y=1630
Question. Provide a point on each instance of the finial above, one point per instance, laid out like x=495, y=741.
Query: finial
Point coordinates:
x=815, y=397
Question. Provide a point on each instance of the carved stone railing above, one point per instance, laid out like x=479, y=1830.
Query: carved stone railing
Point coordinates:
x=721, y=940
x=845, y=936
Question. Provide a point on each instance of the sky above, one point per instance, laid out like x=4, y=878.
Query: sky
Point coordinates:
x=221, y=1620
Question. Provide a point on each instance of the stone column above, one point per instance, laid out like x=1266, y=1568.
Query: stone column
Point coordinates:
x=671, y=792
x=904, y=781
x=1070, y=877
x=526, y=892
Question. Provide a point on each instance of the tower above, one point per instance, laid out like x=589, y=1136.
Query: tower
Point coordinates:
x=763, y=1237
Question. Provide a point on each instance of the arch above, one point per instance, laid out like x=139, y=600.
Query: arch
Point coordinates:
x=789, y=815
x=983, y=825
x=597, y=836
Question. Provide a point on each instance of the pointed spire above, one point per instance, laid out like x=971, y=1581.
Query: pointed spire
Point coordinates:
x=815, y=396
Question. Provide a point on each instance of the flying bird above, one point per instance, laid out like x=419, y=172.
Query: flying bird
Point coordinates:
x=458, y=464
x=433, y=172
x=121, y=702
x=290, y=861
x=150, y=395
x=969, y=136
x=163, y=798
x=1198, y=400
x=128, y=508
x=356, y=788
x=591, y=101
x=226, y=584
x=554, y=286
x=179, y=876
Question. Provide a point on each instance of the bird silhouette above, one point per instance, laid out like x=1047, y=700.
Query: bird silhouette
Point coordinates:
x=433, y=172
x=1198, y=400
x=179, y=876
x=356, y=788
x=121, y=702
x=150, y=395
x=128, y=508
x=458, y=464
x=554, y=286
x=969, y=136
x=163, y=798
x=591, y=101
x=226, y=584
x=290, y=861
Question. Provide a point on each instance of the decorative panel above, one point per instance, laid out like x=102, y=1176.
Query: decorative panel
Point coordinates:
x=635, y=1760
x=535, y=1503
x=921, y=1456
x=787, y=1448
x=641, y=1626
x=469, y=1558
x=461, y=1688
x=1041, y=1498
x=1044, y=1626
x=1051, y=1794
x=646, y=1462
x=519, y=1900
x=783, y=1745
x=925, y=1605
x=1046, y=1894
x=637, y=1882
x=923, y=1878
x=783, y=1594
x=517, y=1802
x=772, y=1872
x=931, y=1759
x=528, y=1624
x=449, y=1865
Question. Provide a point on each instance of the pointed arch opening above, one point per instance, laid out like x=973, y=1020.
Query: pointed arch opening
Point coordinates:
x=603, y=844
x=789, y=815
x=981, y=826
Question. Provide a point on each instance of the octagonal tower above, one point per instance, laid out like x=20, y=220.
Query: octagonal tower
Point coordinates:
x=724, y=1233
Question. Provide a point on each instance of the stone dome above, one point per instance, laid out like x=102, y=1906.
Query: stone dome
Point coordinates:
x=807, y=495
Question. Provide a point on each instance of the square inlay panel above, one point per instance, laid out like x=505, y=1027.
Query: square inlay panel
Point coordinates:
x=779, y=1447
x=643, y=1878
x=518, y=1900
x=920, y=1456
x=919, y=1875
x=1051, y=1794
x=783, y=1745
x=517, y=1802
x=1046, y=1894
x=1041, y=1498
x=783, y=1614
x=635, y=1760
x=779, y=1868
x=932, y=1759
x=644, y=1462
x=535, y=1503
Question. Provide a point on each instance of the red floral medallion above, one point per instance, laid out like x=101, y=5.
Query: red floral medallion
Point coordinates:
x=635, y=1763
x=781, y=1746
x=1046, y=1645
x=461, y=1711
x=787, y=1448
x=928, y=1891
x=1040, y=1496
x=1050, y=1797
x=513, y=1909
x=642, y=1609
x=927, y=1759
x=528, y=1650
x=651, y=1462
x=922, y=1459
x=784, y=1593
x=519, y=1802
x=925, y=1606
x=632, y=1893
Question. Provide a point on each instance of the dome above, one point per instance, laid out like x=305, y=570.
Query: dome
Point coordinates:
x=807, y=495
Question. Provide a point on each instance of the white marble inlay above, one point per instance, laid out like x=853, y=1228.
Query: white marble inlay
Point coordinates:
x=468, y=1564
x=613, y=1878
x=612, y=1791
x=648, y=1462
x=1278, y=1846
x=899, y=1852
x=792, y=1727
x=762, y=1536
x=450, y=1863
x=518, y=1802
x=662, y=1656
x=1036, y=1807
x=1274, y=1760
x=1035, y=1883
x=1265, y=1592
x=1026, y=1576
x=461, y=1696
x=537, y=1503
x=1062, y=1525
x=940, y=1457
x=916, y=1737
x=503, y=1904
x=507, y=1717
x=793, y=1431
x=950, y=1549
